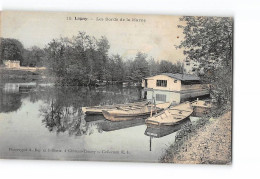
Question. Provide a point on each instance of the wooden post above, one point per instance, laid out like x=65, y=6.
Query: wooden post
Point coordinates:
x=151, y=111
x=150, y=143
x=155, y=105
x=152, y=106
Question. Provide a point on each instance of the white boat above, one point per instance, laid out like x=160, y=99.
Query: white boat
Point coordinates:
x=97, y=110
x=171, y=115
x=129, y=113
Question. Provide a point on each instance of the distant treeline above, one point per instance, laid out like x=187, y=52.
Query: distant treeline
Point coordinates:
x=12, y=49
x=84, y=60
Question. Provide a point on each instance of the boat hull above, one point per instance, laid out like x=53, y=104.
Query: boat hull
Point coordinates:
x=172, y=115
x=151, y=122
x=112, y=125
x=123, y=117
x=97, y=110
x=201, y=108
x=135, y=112
x=161, y=131
x=93, y=112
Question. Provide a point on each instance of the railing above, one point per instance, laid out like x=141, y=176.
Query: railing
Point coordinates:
x=195, y=87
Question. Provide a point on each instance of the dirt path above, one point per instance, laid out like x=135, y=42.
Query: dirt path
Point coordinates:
x=210, y=144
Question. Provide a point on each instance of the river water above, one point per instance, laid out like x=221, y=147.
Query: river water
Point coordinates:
x=40, y=121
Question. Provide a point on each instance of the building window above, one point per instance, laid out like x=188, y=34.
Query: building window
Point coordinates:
x=162, y=83
x=175, y=81
x=161, y=97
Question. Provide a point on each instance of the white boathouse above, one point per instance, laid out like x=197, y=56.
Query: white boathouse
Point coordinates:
x=11, y=63
x=168, y=86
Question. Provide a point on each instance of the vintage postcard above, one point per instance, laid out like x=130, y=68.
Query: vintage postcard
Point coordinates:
x=116, y=87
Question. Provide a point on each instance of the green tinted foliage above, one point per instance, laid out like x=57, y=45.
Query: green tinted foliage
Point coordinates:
x=209, y=40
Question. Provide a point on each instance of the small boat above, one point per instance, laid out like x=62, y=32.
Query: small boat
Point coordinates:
x=133, y=112
x=161, y=131
x=97, y=110
x=201, y=107
x=107, y=125
x=92, y=118
x=171, y=115
x=202, y=103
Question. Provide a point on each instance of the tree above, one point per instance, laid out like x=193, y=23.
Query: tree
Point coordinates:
x=81, y=60
x=83, y=57
x=116, y=68
x=55, y=58
x=169, y=67
x=153, y=67
x=11, y=49
x=139, y=68
x=209, y=40
x=165, y=67
x=33, y=57
x=178, y=68
x=128, y=65
x=101, y=58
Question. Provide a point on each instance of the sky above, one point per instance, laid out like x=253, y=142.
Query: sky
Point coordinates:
x=155, y=35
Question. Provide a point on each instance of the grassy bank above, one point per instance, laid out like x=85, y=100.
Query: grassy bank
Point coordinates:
x=16, y=75
x=208, y=141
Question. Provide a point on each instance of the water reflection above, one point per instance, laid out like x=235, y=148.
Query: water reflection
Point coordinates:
x=155, y=131
x=54, y=114
x=61, y=107
x=111, y=126
x=105, y=125
x=61, y=110
x=9, y=102
x=169, y=96
x=18, y=87
x=60, y=118
x=11, y=95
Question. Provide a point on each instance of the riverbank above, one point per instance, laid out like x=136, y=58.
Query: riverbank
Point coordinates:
x=206, y=142
x=23, y=75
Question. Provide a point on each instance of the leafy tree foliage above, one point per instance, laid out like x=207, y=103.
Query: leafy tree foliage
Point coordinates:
x=11, y=49
x=168, y=67
x=209, y=40
x=83, y=60
x=116, y=69
x=72, y=60
x=33, y=57
x=139, y=68
x=153, y=67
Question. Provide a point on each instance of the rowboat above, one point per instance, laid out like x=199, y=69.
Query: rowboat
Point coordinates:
x=161, y=131
x=107, y=125
x=172, y=115
x=133, y=112
x=201, y=107
x=97, y=110
x=202, y=103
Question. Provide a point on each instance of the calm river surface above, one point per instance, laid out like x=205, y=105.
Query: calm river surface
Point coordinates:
x=40, y=121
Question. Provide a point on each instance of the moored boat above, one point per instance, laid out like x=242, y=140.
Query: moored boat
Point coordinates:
x=129, y=113
x=201, y=107
x=107, y=125
x=161, y=131
x=97, y=110
x=171, y=115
